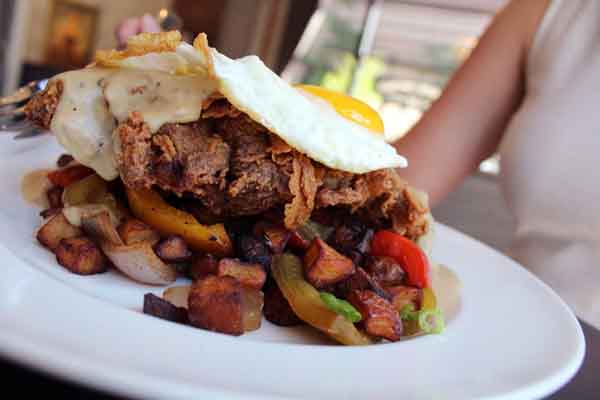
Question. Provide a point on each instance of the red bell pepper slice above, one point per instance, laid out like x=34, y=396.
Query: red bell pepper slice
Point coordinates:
x=407, y=253
x=65, y=176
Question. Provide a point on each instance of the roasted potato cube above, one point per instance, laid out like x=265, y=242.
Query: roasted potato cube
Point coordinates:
x=135, y=231
x=251, y=275
x=361, y=280
x=277, y=309
x=403, y=295
x=56, y=229
x=379, y=316
x=276, y=236
x=323, y=266
x=54, y=195
x=385, y=270
x=81, y=256
x=157, y=307
x=215, y=303
x=173, y=249
x=204, y=265
x=64, y=160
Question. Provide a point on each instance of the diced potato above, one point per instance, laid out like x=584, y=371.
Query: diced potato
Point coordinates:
x=323, y=266
x=361, y=280
x=379, y=316
x=215, y=303
x=403, y=295
x=157, y=307
x=248, y=274
x=385, y=270
x=134, y=231
x=56, y=229
x=173, y=249
x=277, y=309
x=81, y=256
x=54, y=195
x=204, y=265
x=276, y=236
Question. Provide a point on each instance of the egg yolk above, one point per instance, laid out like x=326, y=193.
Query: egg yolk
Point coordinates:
x=348, y=107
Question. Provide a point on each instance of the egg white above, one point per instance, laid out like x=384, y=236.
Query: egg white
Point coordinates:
x=303, y=123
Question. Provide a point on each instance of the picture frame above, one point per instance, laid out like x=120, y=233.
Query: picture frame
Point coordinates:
x=72, y=31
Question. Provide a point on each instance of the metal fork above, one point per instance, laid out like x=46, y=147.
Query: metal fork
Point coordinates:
x=12, y=110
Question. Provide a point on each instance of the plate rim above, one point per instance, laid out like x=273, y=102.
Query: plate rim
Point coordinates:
x=75, y=367
x=60, y=364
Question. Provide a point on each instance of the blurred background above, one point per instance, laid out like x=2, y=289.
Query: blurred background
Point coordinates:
x=395, y=55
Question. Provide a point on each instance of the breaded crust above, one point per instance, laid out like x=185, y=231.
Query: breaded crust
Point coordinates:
x=41, y=108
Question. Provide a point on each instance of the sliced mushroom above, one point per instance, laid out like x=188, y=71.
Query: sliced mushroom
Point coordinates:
x=100, y=228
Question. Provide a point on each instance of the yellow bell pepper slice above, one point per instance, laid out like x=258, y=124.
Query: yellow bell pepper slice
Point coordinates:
x=306, y=302
x=150, y=208
x=429, y=301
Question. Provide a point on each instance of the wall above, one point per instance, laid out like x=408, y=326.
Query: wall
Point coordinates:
x=111, y=12
x=253, y=27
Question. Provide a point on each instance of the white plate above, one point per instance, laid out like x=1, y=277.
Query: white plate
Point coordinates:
x=510, y=337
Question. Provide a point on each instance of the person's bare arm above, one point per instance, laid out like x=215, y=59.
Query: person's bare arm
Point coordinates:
x=465, y=125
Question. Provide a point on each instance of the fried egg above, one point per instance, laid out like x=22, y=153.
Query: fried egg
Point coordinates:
x=170, y=84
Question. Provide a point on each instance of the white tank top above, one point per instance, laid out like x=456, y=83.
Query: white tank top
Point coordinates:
x=550, y=157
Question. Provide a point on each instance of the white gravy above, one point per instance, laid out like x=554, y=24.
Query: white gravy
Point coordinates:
x=93, y=99
x=159, y=96
x=82, y=123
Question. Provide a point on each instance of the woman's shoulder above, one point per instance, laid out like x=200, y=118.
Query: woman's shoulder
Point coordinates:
x=525, y=18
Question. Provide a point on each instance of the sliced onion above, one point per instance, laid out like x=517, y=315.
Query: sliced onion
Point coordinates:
x=139, y=262
x=252, y=305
